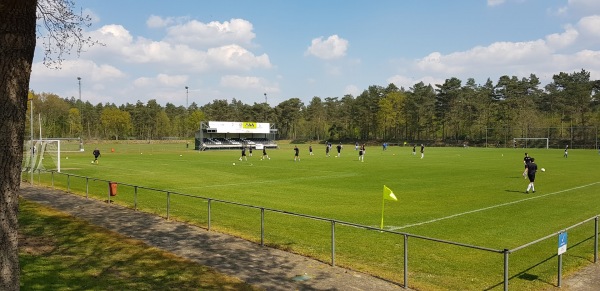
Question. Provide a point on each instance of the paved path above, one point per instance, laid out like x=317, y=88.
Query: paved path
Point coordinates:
x=263, y=267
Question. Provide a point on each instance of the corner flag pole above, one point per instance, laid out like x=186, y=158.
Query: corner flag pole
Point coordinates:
x=389, y=195
x=382, y=208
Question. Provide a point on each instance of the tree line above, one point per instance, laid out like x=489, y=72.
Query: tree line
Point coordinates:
x=452, y=112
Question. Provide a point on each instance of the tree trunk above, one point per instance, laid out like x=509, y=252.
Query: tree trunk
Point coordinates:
x=17, y=45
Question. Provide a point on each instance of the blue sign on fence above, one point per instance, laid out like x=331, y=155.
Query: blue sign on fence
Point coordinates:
x=562, y=243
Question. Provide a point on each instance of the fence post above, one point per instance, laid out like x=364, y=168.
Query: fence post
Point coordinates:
x=87, y=186
x=108, y=201
x=209, y=200
x=68, y=183
x=52, y=175
x=135, y=197
x=168, y=203
x=262, y=227
x=333, y=243
x=405, y=261
x=559, y=283
x=505, y=269
x=596, y=239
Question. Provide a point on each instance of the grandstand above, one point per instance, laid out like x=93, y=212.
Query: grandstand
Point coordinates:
x=235, y=135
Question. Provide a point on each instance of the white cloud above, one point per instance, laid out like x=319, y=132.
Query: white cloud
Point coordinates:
x=499, y=54
x=590, y=26
x=558, y=52
x=352, y=90
x=121, y=45
x=255, y=84
x=158, y=22
x=86, y=69
x=331, y=48
x=205, y=35
x=580, y=8
x=561, y=40
x=495, y=2
x=408, y=82
x=162, y=80
x=236, y=57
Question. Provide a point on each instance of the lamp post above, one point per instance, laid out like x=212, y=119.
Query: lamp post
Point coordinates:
x=266, y=103
x=80, y=115
x=32, y=144
x=186, y=96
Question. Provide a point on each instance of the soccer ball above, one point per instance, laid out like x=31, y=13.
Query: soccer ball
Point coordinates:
x=543, y=170
x=234, y=164
x=92, y=162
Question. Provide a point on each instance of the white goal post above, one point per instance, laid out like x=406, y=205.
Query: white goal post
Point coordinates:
x=42, y=155
x=528, y=139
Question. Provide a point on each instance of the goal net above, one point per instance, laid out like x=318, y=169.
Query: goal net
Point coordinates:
x=531, y=142
x=41, y=155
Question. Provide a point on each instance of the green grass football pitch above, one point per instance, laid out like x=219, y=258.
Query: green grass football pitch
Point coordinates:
x=473, y=196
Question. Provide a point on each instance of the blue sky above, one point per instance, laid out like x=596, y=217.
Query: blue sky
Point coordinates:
x=300, y=49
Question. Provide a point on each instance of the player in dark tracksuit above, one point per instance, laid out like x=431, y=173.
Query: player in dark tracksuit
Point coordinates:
x=243, y=154
x=296, y=153
x=96, y=154
x=531, y=169
x=526, y=160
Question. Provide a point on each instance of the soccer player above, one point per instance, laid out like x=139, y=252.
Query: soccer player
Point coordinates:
x=526, y=160
x=531, y=168
x=414, y=150
x=361, y=153
x=96, y=154
x=265, y=156
x=327, y=149
x=250, y=150
x=243, y=154
x=310, y=153
x=339, y=149
x=422, y=151
x=296, y=153
x=566, y=155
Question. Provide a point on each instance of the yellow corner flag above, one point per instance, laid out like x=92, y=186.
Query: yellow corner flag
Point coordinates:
x=388, y=194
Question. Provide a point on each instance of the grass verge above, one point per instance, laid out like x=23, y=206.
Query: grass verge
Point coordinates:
x=60, y=252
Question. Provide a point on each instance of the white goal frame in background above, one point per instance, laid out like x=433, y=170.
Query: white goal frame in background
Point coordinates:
x=526, y=139
x=34, y=156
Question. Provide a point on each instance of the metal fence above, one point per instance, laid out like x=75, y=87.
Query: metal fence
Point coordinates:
x=72, y=183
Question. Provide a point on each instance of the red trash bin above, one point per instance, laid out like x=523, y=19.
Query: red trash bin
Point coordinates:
x=113, y=188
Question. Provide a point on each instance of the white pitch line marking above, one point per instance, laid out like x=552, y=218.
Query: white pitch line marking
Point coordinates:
x=490, y=207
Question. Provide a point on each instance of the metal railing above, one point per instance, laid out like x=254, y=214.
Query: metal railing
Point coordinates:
x=333, y=222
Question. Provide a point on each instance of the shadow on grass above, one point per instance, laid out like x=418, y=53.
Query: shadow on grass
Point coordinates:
x=250, y=262
x=525, y=275
x=59, y=252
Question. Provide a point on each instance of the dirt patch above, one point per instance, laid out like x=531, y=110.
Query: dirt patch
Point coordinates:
x=36, y=245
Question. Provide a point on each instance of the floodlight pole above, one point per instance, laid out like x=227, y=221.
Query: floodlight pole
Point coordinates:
x=80, y=115
x=186, y=96
x=32, y=145
x=266, y=103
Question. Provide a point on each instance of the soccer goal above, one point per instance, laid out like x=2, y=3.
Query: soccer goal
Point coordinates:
x=531, y=142
x=42, y=155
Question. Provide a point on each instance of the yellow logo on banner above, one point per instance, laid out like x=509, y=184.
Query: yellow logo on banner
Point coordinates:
x=249, y=125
